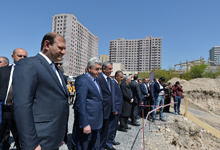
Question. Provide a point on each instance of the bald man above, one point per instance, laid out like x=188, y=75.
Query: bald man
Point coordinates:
x=41, y=105
x=6, y=74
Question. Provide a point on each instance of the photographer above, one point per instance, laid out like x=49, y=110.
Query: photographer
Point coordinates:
x=177, y=94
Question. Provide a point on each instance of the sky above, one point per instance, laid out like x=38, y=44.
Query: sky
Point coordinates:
x=189, y=28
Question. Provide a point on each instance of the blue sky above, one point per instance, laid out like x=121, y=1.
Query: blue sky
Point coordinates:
x=189, y=28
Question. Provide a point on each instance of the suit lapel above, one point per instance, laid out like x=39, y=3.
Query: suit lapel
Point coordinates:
x=50, y=70
x=105, y=83
x=94, y=86
x=63, y=82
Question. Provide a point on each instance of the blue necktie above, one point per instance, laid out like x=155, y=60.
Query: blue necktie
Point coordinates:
x=97, y=85
x=109, y=85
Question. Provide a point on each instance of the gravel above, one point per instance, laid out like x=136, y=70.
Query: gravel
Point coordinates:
x=126, y=139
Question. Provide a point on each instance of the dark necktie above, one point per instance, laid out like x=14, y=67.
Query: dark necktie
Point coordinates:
x=109, y=85
x=10, y=96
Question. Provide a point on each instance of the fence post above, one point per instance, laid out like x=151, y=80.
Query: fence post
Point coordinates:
x=186, y=108
x=143, y=128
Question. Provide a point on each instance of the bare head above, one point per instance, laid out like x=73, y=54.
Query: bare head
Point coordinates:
x=139, y=81
x=94, y=67
x=18, y=54
x=53, y=46
x=127, y=79
x=119, y=76
x=135, y=77
x=107, y=68
x=146, y=80
x=4, y=61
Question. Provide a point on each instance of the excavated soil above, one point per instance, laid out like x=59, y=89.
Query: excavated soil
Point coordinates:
x=179, y=133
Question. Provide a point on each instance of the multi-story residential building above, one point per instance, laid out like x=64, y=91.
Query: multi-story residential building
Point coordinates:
x=81, y=44
x=214, y=55
x=104, y=58
x=138, y=54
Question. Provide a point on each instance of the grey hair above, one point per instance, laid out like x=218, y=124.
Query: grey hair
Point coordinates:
x=127, y=77
x=118, y=72
x=105, y=64
x=5, y=59
x=92, y=62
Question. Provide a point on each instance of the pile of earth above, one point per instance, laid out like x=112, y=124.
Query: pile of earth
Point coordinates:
x=180, y=133
x=203, y=91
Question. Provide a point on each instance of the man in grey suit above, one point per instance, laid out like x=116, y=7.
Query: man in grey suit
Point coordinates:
x=41, y=98
x=135, y=88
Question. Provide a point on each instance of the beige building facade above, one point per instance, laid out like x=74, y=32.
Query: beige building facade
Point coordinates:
x=81, y=44
x=136, y=55
x=104, y=58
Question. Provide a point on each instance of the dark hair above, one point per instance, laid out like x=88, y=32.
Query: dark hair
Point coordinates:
x=162, y=79
x=118, y=72
x=177, y=82
x=50, y=37
x=139, y=80
x=135, y=77
x=105, y=64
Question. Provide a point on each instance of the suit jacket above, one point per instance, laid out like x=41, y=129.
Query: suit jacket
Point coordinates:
x=4, y=81
x=152, y=90
x=40, y=104
x=117, y=97
x=127, y=96
x=88, y=104
x=157, y=90
x=107, y=96
x=144, y=91
x=135, y=88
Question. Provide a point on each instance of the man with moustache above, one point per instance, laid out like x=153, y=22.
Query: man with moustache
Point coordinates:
x=8, y=122
x=41, y=103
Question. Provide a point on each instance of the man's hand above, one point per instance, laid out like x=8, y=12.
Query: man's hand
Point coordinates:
x=132, y=100
x=87, y=130
x=167, y=87
x=115, y=113
x=148, y=95
x=38, y=148
x=142, y=103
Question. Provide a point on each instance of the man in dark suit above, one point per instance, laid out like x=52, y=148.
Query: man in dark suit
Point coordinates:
x=105, y=84
x=8, y=122
x=117, y=100
x=145, y=94
x=41, y=103
x=88, y=108
x=135, y=88
x=159, y=97
x=127, y=101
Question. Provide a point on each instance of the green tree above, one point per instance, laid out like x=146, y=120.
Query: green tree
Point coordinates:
x=198, y=70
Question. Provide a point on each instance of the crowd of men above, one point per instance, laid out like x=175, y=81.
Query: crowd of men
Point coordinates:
x=35, y=108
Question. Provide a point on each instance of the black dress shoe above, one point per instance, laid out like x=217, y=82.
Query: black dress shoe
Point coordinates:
x=116, y=143
x=129, y=128
x=135, y=124
x=162, y=120
x=152, y=120
x=122, y=129
x=110, y=148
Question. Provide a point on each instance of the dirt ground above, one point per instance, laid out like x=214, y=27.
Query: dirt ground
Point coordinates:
x=179, y=133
